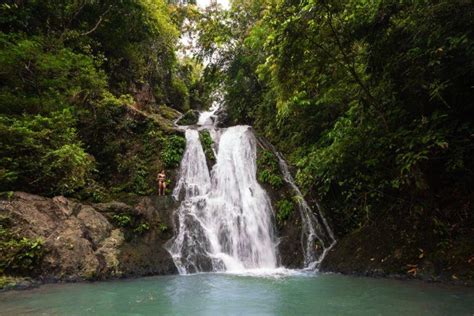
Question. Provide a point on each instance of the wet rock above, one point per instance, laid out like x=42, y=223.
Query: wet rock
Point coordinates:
x=289, y=231
x=223, y=119
x=17, y=283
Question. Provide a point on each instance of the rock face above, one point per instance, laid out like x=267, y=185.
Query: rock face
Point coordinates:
x=289, y=231
x=146, y=255
x=379, y=250
x=290, y=249
x=84, y=242
x=223, y=119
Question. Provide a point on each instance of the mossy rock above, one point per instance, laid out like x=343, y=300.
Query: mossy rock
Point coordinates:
x=207, y=145
x=168, y=113
x=16, y=283
x=189, y=118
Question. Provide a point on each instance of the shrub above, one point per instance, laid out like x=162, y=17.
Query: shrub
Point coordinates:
x=163, y=227
x=132, y=223
x=42, y=154
x=284, y=209
x=179, y=94
x=19, y=255
x=141, y=228
x=69, y=167
x=122, y=220
x=268, y=169
x=173, y=150
x=207, y=142
x=189, y=118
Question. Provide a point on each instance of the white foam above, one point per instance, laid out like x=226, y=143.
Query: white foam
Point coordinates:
x=208, y=118
x=225, y=221
x=279, y=272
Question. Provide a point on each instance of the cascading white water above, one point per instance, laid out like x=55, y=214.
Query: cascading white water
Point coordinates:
x=225, y=221
x=317, y=237
x=208, y=118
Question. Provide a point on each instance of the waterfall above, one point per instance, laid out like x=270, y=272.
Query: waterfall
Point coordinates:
x=225, y=220
x=317, y=237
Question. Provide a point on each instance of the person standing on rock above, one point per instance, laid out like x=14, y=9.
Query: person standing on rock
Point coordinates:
x=161, y=182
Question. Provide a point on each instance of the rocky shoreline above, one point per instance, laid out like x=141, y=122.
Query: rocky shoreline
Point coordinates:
x=82, y=241
x=100, y=241
x=378, y=253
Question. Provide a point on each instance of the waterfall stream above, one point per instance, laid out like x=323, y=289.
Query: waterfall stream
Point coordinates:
x=225, y=220
x=317, y=237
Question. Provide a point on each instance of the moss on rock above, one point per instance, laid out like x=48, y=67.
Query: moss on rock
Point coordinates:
x=189, y=118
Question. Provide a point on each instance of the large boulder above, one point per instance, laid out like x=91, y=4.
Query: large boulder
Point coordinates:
x=83, y=241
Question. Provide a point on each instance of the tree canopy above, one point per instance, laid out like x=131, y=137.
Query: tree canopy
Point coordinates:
x=371, y=101
x=74, y=76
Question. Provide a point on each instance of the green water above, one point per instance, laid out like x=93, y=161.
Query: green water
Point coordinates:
x=222, y=294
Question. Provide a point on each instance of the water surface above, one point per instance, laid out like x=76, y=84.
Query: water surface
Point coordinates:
x=227, y=294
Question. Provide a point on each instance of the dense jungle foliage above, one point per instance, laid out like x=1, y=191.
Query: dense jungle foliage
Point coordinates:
x=88, y=93
x=371, y=101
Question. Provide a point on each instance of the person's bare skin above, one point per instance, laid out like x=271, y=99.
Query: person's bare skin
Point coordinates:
x=161, y=182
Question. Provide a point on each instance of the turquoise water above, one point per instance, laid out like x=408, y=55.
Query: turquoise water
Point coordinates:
x=224, y=294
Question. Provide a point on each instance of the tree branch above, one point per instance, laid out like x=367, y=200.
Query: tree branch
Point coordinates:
x=98, y=22
x=352, y=70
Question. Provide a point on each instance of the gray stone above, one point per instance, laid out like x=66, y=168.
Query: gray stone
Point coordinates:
x=81, y=242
